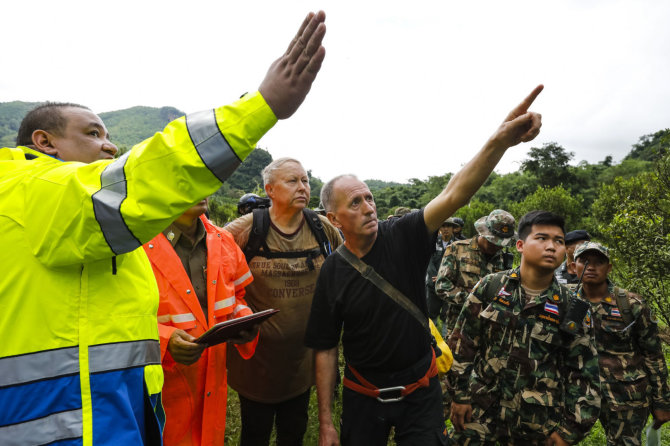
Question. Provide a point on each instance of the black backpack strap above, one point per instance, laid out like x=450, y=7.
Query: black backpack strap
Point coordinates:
x=623, y=303
x=259, y=230
x=319, y=232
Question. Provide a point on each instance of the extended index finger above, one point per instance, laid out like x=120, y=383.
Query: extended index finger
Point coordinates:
x=526, y=103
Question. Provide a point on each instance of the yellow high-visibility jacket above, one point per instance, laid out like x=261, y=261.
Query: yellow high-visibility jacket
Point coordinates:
x=80, y=359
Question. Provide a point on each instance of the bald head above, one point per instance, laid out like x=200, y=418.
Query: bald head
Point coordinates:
x=328, y=194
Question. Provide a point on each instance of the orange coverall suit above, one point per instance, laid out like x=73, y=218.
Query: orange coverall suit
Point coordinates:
x=195, y=396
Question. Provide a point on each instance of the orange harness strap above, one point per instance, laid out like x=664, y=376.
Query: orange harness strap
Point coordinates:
x=368, y=389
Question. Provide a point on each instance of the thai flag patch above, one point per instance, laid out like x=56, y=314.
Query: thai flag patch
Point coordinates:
x=502, y=292
x=615, y=312
x=551, y=308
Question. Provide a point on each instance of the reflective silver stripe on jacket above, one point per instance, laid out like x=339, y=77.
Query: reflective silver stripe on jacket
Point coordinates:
x=181, y=318
x=211, y=145
x=124, y=355
x=223, y=303
x=37, y=366
x=243, y=278
x=50, y=364
x=49, y=429
x=107, y=206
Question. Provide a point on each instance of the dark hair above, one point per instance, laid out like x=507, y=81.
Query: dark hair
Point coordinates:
x=539, y=218
x=48, y=117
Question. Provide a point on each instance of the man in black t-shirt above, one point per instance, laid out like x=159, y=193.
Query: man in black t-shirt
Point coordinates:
x=384, y=346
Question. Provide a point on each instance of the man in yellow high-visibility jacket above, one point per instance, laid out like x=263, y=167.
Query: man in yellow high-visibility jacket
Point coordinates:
x=80, y=359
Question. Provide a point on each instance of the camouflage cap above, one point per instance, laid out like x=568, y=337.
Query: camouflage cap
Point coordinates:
x=497, y=227
x=449, y=222
x=402, y=210
x=459, y=221
x=592, y=246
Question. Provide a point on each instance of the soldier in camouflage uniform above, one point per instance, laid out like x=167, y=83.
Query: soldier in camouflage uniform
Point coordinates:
x=444, y=237
x=465, y=262
x=517, y=378
x=633, y=373
x=565, y=273
x=459, y=228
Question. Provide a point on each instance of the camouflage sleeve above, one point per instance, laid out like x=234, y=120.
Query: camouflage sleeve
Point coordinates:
x=447, y=276
x=464, y=344
x=582, y=387
x=649, y=343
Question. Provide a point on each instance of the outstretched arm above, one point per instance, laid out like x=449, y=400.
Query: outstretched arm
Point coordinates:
x=520, y=125
x=290, y=77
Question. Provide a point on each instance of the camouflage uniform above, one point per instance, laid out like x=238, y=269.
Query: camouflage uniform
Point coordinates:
x=463, y=264
x=523, y=377
x=633, y=373
x=563, y=276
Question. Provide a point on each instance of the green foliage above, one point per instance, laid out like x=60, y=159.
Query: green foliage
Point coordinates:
x=549, y=164
x=503, y=190
x=553, y=199
x=133, y=125
x=374, y=185
x=632, y=217
x=651, y=147
x=471, y=212
x=247, y=177
x=222, y=211
x=11, y=114
x=315, y=185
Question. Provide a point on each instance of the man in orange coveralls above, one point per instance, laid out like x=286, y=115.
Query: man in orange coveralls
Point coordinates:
x=201, y=275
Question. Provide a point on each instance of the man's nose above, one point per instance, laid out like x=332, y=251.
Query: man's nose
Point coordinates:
x=110, y=148
x=368, y=206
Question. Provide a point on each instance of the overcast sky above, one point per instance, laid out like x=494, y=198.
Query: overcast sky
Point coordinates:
x=407, y=90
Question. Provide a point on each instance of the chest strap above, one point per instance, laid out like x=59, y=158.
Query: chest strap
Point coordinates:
x=388, y=394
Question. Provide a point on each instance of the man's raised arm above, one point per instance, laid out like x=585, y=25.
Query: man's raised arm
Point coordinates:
x=520, y=125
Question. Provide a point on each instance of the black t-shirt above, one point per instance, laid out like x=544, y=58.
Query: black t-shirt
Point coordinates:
x=379, y=335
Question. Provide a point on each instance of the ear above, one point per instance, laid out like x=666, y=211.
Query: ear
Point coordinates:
x=333, y=220
x=519, y=246
x=268, y=190
x=609, y=268
x=44, y=142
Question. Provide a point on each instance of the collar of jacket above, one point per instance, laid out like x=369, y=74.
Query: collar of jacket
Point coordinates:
x=31, y=154
x=554, y=293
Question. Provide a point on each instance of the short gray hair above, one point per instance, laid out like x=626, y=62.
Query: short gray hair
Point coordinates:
x=327, y=195
x=269, y=171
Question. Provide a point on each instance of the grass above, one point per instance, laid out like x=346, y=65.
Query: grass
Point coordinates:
x=233, y=425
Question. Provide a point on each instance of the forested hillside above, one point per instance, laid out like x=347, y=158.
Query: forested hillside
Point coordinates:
x=11, y=114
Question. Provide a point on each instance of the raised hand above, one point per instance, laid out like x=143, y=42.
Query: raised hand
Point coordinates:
x=520, y=125
x=290, y=77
